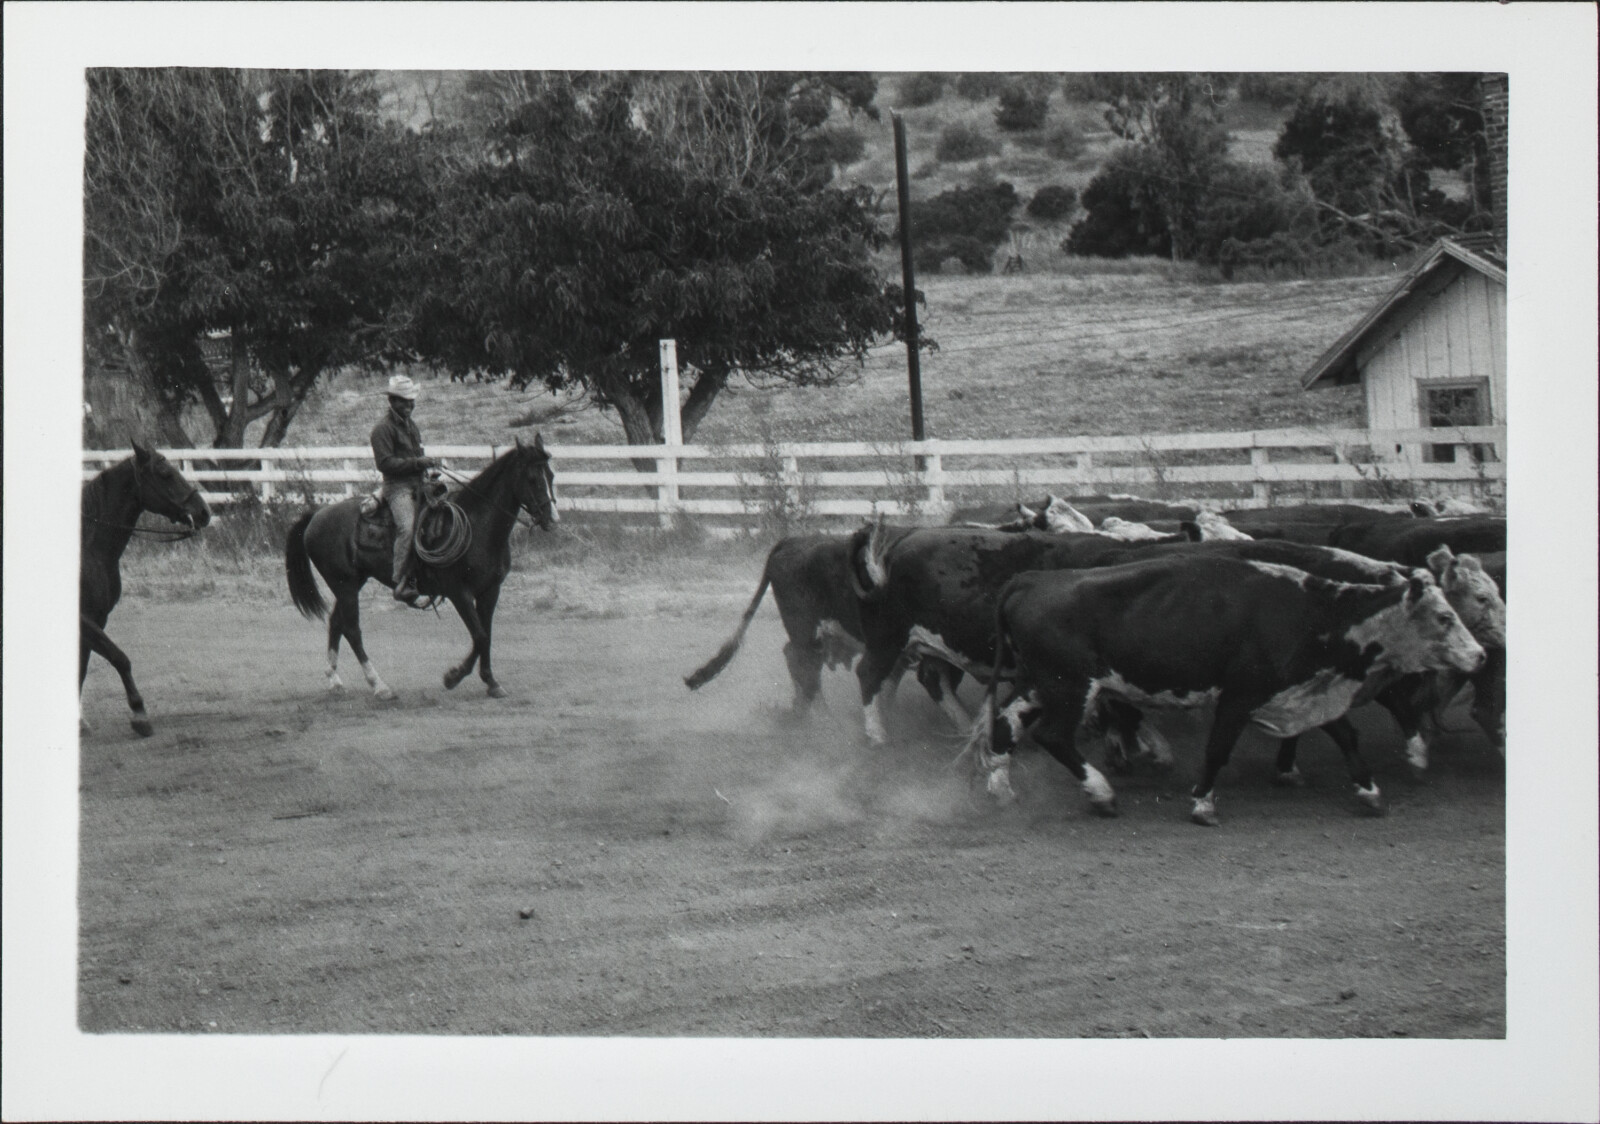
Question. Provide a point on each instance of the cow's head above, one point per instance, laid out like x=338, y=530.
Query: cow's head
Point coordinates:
x=1422, y=632
x=1215, y=527
x=1472, y=594
x=1058, y=517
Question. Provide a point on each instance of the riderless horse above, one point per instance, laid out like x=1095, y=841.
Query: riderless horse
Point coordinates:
x=112, y=504
x=518, y=480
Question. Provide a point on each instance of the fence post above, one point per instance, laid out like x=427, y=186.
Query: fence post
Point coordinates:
x=349, y=485
x=1086, y=466
x=1260, y=490
x=671, y=431
x=933, y=466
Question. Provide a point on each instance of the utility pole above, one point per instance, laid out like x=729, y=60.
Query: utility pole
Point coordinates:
x=913, y=367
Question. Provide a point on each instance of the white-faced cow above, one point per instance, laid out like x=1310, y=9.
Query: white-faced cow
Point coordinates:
x=1267, y=643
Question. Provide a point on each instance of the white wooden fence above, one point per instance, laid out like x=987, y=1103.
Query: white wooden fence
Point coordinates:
x=927, y=478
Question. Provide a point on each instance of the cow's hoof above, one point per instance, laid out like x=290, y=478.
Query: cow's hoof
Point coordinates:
x=1108, y=810
x=1292, y=779
x=1161, y=766
x=1204, y=819
x=142, y=727
x=496, y=691
x=451, y=679
x=1417, y=773
x=385, y=694
x=1373, y=807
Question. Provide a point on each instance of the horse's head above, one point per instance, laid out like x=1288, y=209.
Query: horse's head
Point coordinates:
x=536, y=482
x=163, y=490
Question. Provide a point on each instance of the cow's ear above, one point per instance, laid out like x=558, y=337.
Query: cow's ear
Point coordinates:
x=141, y=452
x=1418, y=587
x=1469, y=562
x=1439, y=561
x=1422, y=509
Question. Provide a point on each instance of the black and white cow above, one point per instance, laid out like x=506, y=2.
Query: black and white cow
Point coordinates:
x=1267, y=643
x=1410, y=541
x=932, y=591
x=1306, y=523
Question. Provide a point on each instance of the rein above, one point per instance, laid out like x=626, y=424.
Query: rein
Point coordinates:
x=166, y=534
x=466, y=486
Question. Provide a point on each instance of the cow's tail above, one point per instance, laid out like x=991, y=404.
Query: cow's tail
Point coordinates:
x=303, y=589
x=730, y=647
x=869, y=572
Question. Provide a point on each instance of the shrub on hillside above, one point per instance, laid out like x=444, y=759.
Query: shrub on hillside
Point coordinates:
x=918, y=90
x=1053, y=201
x=980, y=85
x=1123, y=205
x=974, y=256
x=960, y=143
x=964, y=222
x=1020, y=109
x=1064, y=142
x=1243, y=204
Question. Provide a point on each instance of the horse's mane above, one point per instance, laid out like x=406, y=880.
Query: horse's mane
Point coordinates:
x=95, y=492
x=490, y=476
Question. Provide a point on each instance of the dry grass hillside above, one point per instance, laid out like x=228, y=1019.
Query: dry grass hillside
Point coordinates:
x=1120, y=352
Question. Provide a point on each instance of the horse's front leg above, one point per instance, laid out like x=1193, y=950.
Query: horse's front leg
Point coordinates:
x=95, y=638
x=467, y=606
x=486, y=603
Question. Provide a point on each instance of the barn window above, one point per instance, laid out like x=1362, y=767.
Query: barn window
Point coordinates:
x=1456, y=405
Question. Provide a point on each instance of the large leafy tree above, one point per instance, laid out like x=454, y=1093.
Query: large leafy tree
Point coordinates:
x=609, y=212
x=273, y=205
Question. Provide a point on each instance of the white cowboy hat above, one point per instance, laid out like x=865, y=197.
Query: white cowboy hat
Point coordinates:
x=401, y=386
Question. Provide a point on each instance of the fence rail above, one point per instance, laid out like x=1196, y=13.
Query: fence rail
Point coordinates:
x=856, y=478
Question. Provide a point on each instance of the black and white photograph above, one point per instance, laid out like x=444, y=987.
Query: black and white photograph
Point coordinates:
x=858, y=561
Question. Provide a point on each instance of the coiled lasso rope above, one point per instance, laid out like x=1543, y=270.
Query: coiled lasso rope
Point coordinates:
x=448, y=545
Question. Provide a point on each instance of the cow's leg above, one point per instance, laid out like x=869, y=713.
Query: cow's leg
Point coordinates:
x=939, y=679
x=871, y=672
x=1343, y=733
x=1129, y=737
x=467, y=610
x=996, y=734
x=1489, y=698
x=1233, y=714
x=335, y=632
x=805, y=670
x=1289, y=774
x=903, y=663
x=1055, y=730
x=95, y=637
x=1412, y=701
x=347, y=606
x=487, y=600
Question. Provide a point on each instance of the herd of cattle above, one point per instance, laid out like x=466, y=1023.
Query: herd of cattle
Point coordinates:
x=1087, y=612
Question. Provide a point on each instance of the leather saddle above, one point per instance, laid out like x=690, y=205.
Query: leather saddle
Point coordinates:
x=375, y=527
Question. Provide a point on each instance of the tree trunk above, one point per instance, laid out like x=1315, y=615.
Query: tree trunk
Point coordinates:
x=701, y=395
x=636, y=426
x=232, y=435
x=289, y=394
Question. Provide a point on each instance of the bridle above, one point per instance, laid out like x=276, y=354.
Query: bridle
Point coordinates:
x=165, y=534
x=515, y=513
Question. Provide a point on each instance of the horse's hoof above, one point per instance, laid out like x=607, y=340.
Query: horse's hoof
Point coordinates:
x=1291, y=779
x=496, y=691
x=142, y=727
x=451, y=679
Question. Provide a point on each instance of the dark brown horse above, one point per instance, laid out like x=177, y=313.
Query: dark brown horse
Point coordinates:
x=519, y=479
x=112, y=504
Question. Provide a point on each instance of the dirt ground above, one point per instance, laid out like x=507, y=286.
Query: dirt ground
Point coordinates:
x=605, y=853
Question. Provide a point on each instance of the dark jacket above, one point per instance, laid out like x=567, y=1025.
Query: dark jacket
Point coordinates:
x=397, y=447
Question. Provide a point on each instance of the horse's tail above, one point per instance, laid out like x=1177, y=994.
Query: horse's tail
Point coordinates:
x=713, y=667
x=303, y=589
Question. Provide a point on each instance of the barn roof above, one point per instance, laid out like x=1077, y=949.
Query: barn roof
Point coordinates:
x=1444, y=261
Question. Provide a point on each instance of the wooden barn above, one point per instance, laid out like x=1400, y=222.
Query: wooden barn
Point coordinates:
x=1432, y=353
